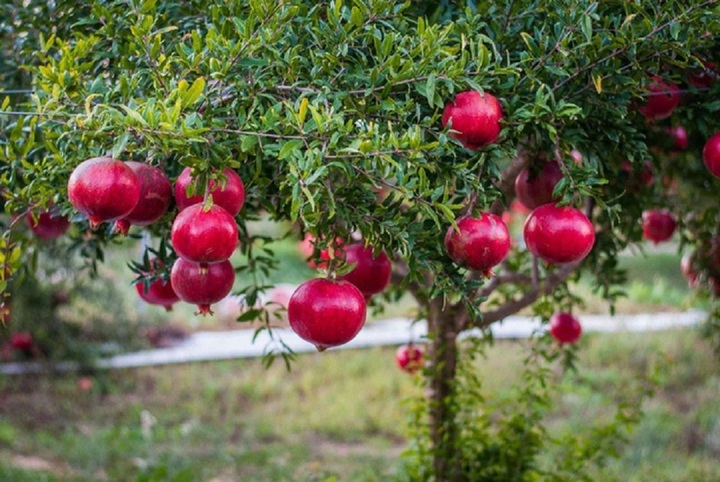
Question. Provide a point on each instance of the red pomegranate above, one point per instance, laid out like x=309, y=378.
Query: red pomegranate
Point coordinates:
x=409, y=358
x=204, y=236
x=371, y=275
x=478, y=243
x=565, y=328
x=559, y=234
x=230, y=196
x=688, y=269
x=22, y=341
x=711, y=154
x=704, y=78
x=662, y=99
x=155, y=197
x=476, y=118
x=327, y=313
x=202, y=286
x=658, y=225
x=534, y=186
x=160, y=292
x=48, y=224
x=679, y=137
x=103, y=189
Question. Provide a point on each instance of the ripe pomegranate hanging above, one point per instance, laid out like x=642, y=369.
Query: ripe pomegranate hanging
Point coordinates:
x=478, y=243
x=565, y=328
x=476, y=118
x=155, y=197
x=48, y=224
x=711, y=155
x=559, y=234
x=204, y=236
x=230, y=197
x=202, y=286
x=658, y=225
x=409, y=358
x=662, y=99
x=326, y=312
x=371, y=275
x=103, y=189
x=534, y=187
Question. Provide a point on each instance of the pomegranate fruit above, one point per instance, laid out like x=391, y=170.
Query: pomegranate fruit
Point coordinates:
x=204, y=236
x=534, y=187
x=103, y=189
x=658, y=225
x=662, y=99
x=711, y=154
x=558, y=234
x=679, y=136
x=155, y=197
x=478, y=243
x=371, y=275
x=705, y=78
x=22, y=341
x=230, y=196
x=327, y=312
x=409, y=358
x=202, y=286
x=565, y=328
x=160, y=292
x=475, y=117
x=48, y=224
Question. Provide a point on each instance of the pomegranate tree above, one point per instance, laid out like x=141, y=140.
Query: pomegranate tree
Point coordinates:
x=155, y=197
x=204, y=235
x=202, y=286
x=478, y=243
x=327, y=312
x=559, y=234
x=439, y=106
x=104, y=189
x=475, y=117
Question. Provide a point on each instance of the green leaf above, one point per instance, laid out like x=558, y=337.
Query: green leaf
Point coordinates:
x=430, y=89
x=289, y=148
x=194, y=92
x=120, y=144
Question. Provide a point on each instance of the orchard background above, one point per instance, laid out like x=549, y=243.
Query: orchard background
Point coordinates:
x=332, y=115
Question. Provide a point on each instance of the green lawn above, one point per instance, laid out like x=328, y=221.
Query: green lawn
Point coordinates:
x=337, y=414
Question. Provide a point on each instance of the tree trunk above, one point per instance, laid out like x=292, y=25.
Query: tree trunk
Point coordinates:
x=443, y=426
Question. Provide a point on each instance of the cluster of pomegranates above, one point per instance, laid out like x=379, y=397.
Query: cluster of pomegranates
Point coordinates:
x=556, y=234
x=204, y=233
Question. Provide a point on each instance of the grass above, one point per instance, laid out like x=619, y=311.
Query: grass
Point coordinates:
x=337, y=414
